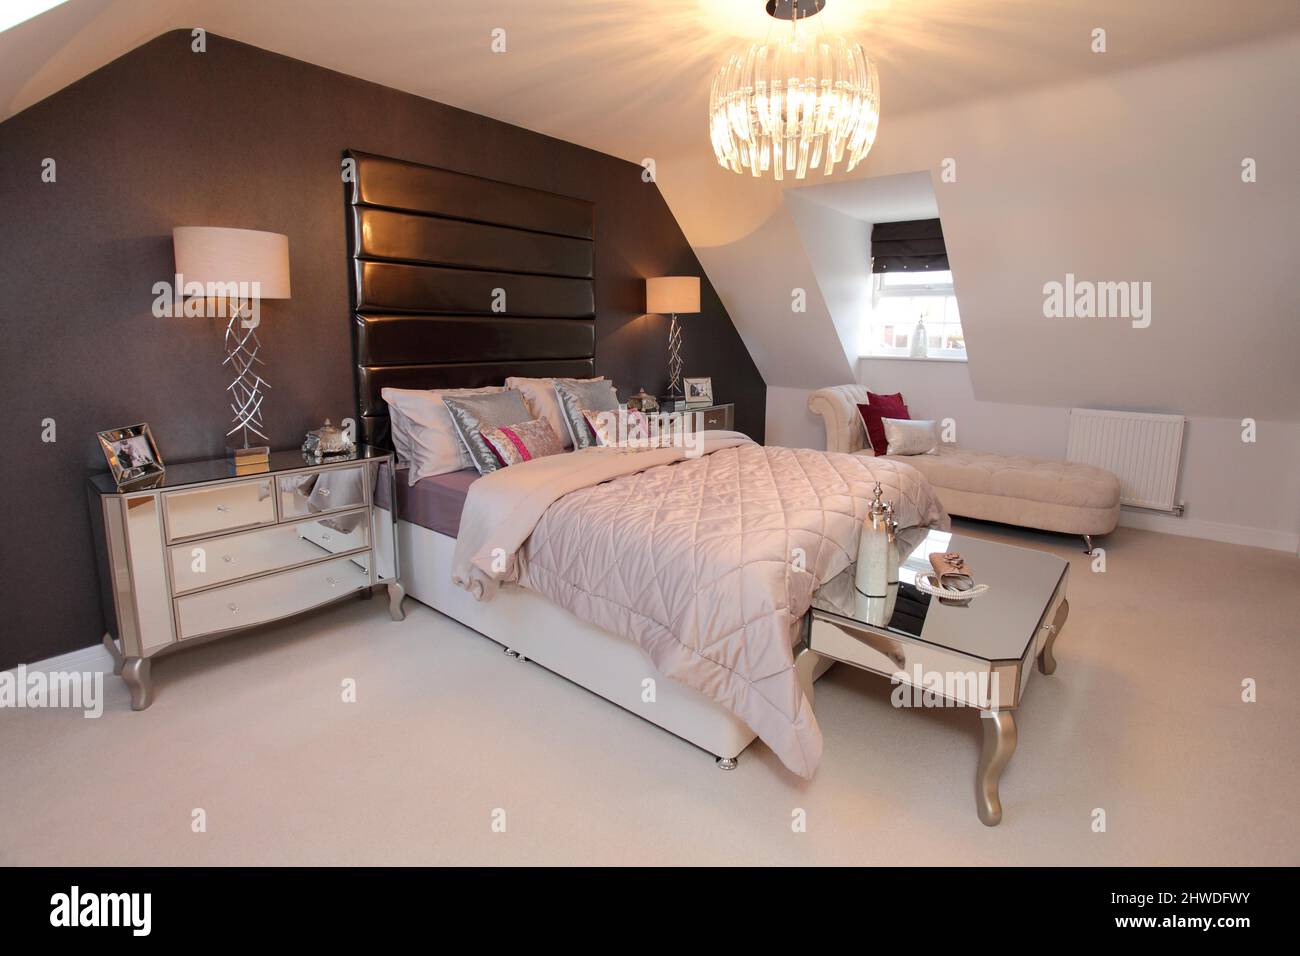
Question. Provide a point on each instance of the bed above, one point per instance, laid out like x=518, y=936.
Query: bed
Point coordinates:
x=433, y=254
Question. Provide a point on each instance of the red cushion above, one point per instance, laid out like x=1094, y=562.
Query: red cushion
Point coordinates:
x=881, y=406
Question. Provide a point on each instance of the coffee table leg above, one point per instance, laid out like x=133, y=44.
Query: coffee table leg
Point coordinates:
x=999, y=745
x=805, y=662
x=1046, y=660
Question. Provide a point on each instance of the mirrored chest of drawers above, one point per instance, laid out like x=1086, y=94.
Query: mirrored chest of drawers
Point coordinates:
x=204, y=552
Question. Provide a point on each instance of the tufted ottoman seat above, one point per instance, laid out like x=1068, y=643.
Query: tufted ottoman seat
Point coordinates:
x=1032, y=492
x=1042, y=493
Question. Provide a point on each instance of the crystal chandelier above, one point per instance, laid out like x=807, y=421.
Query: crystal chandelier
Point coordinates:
x=798, y=101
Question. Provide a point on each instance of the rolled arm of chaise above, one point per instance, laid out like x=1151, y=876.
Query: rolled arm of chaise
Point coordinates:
x=838, y=407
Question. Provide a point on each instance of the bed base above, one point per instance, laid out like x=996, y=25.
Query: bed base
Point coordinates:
x=529, y=626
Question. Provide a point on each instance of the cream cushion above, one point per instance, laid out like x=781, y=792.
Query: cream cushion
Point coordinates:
x=907, y=437
x=422, y=430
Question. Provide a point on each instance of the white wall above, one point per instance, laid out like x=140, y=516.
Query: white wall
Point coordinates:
x=838, y=247
x=789, y=423
x=763, y=273
x=1236, y=492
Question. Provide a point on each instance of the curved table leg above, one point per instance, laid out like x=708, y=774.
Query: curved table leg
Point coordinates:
x=999, y=745
x=1046, y=660
x=395, y=594
x=137, y=674
x=118, y=660
x=805, y=662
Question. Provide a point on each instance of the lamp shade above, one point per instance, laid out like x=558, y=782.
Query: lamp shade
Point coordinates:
x=677, y=294
x=217, y=255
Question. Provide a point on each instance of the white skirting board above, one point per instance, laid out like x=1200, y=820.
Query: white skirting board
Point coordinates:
x=608, y=665
x=1274, y=540
x=94, y=658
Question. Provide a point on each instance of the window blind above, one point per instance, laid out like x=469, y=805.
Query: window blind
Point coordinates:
x=914, y=246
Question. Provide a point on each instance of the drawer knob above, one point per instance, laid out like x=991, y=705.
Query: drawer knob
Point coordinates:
x=228, y=559
x=324, y=492
x=234, y=608
x=332, y=582
x=327, y=537
x=223, y=508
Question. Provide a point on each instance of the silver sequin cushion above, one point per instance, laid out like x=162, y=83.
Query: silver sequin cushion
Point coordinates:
x=576, y=396
x=471, y=413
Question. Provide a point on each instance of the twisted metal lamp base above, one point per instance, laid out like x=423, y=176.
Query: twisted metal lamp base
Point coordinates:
x=675, y=358
x=245, y=390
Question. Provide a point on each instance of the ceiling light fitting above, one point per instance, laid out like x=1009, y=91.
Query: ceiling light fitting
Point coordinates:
x=798, y=101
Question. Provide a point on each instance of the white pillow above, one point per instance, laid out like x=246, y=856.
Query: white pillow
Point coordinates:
x=906, y=437
x=422, y=430
x=539, y=396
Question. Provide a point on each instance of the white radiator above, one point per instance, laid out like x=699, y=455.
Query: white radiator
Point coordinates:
x=1142, y=450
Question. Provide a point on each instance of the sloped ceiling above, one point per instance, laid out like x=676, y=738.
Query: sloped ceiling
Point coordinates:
x=631, y=77
x=1105, y=165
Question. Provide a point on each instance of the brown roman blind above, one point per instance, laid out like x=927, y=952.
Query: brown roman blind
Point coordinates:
x=913, y=246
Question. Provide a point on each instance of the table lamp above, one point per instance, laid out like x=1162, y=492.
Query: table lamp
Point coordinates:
x=673, y=295
x=239, y=267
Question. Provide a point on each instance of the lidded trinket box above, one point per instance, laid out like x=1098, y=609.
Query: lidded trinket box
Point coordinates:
x=326, y=441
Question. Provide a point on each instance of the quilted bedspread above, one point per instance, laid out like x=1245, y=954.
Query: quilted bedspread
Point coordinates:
x=708, y=563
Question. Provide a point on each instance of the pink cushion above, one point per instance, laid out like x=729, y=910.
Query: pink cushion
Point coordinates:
x=525, y=441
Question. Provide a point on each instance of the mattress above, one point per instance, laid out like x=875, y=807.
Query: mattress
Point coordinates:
x=435, y=502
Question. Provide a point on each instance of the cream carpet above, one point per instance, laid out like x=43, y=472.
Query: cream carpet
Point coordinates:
x=1143, y=719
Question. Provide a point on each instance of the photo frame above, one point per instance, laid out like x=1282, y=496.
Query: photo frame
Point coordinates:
x=699, y=391
x=131, y=453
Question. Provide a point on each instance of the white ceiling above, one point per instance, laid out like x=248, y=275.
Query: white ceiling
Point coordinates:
x=631, y=77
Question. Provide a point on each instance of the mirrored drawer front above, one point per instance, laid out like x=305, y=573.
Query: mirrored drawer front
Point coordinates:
x=201, y=564
x=966, y=680
x=321, y=491
x=225, y=507
x=268, y=598
x=717, y=418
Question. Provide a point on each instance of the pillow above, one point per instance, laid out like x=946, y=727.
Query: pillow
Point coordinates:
x=574, y=397
x=907, y=437
x=604, y=427
x=473, y=413
x=539, y=396
x=513, y=444
x=887, y=406
x=423, y=434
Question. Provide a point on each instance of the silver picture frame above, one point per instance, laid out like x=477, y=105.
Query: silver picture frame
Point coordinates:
x=699, y=391
x=131, y=453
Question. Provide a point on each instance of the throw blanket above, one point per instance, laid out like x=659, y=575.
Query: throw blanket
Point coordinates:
x=707, y=563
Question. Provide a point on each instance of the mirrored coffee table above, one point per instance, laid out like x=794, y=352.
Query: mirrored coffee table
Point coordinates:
x=977, y=654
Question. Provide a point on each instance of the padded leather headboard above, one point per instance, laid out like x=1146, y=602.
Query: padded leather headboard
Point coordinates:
x=458, y=282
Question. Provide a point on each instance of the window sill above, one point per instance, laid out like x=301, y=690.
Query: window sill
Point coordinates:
x=912, y=358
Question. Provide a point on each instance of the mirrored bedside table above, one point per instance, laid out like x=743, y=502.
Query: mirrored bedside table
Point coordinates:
x=201, y=551
x=978, y=655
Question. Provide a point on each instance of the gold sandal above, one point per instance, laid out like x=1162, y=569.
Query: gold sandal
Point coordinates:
x=952, y=582
x=950, y=571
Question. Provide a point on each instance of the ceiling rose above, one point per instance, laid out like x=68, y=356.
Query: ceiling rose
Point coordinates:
x=796, y=101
